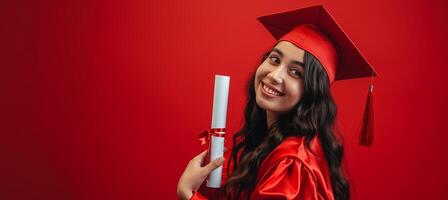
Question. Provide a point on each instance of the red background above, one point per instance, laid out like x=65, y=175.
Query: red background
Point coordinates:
x=104, y=99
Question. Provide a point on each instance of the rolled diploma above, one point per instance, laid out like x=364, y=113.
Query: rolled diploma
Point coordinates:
x=219, y=114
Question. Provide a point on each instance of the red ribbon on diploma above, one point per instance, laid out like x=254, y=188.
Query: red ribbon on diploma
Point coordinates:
x=205, y=136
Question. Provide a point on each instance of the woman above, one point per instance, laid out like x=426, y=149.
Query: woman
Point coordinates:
x=287, y=148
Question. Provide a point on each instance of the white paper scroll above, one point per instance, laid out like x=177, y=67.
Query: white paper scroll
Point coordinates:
x=220, y=99
x=219, y=114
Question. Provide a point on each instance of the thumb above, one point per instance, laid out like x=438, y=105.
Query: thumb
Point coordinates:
x=213, y=165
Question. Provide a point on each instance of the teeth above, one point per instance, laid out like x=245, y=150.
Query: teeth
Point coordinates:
x=270, y=91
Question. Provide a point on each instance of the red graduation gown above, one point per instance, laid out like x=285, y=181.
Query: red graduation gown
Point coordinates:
x=290, y=171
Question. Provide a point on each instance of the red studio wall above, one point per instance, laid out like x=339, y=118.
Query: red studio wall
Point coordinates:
x=105, y=99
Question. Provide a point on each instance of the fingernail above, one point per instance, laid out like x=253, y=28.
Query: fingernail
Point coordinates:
x=220, y=160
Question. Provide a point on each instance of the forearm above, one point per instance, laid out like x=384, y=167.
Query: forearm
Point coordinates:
x=183, y=194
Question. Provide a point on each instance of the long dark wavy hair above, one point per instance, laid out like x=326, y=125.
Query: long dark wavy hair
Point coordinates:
x=314, y=113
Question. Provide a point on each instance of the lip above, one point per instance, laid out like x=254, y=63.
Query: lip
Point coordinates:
x=269, y=86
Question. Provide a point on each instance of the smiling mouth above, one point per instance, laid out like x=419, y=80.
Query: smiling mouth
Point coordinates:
x=270, y=90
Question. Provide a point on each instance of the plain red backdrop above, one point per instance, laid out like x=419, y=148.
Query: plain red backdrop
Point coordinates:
x=104, y=99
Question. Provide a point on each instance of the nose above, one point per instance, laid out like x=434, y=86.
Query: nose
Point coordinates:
x=276, y=75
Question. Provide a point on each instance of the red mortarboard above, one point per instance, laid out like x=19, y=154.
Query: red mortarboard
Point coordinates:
x=315, y=31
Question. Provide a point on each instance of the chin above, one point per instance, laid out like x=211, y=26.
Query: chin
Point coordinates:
x=261, y=104
x=269, y=106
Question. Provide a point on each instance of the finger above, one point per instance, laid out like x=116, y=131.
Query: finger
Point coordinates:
x=213, y=165
x=200, y=157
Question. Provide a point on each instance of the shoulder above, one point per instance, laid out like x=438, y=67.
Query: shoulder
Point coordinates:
x=295, y=148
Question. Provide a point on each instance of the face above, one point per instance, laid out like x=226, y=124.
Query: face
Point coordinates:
x=279, y=79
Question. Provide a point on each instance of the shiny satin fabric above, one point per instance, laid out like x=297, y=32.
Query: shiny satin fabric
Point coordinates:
x=290, y=171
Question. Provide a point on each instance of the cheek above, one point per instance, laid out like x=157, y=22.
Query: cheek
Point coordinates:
x=295, y=90
x=261, y=71
x=263, y=68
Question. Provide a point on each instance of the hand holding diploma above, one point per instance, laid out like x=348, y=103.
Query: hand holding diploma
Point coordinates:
x=195, y=174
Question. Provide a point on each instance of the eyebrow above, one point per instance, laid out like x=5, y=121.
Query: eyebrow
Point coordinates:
x=294, y=61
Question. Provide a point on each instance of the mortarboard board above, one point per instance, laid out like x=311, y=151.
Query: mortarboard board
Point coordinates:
x=314, y=30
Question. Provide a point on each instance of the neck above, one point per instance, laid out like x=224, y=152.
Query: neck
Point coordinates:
x=270, y=117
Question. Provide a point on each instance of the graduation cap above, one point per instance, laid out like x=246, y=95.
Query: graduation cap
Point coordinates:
x=314, y=30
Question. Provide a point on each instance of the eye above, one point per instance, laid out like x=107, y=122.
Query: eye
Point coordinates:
x=274, y=59
x=295, y=72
